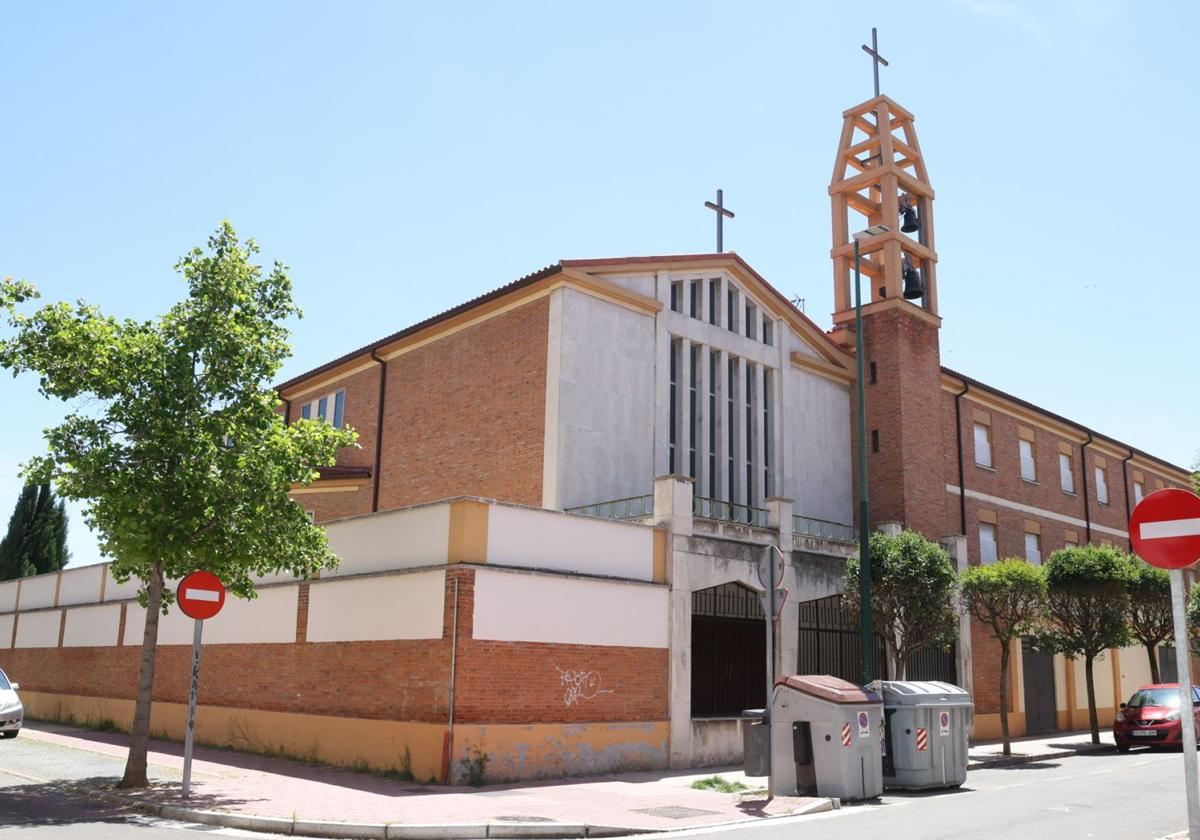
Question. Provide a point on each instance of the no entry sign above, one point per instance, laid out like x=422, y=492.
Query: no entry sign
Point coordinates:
x=1165, y=529
x=201, y=595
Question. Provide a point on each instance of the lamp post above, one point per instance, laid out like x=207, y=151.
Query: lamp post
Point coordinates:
x=864, y=537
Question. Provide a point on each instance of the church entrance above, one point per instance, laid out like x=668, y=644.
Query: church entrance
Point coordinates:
x=729, y=651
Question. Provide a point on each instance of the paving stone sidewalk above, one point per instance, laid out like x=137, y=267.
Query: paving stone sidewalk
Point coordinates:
x=1058, y=745
x=244, y=784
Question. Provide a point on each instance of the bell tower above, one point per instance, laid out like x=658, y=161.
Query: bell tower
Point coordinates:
x=883, y=220
x=879, y=179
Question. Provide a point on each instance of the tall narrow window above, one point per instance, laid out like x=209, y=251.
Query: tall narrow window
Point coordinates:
x=1102, y=485
x=331, y=408
x=750, y=428
x=694, y=298
x=987, y=542
x=673, y=409
x=731, y=429
x=1033, y=548
x=751, y=320
x=676, y=297
x=693, y=406
x=1066, y=472
x=983, y=445
x=1139, y=492
x=767, y=485
x=768, y=332
x=713, y=369
x=1028, y=464
x=874, y=375
x=306, y=411
x=714, y=295
x=731, y=309
x=339, y=408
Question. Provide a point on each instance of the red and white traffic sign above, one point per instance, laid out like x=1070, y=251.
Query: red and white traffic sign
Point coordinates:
x=1165, y=529
x=201, y=595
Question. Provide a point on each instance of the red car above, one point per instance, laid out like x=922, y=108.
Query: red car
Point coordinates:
x=1151, y=717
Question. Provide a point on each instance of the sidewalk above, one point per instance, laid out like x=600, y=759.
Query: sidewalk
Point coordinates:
x=1059, y=745
x=297, y=798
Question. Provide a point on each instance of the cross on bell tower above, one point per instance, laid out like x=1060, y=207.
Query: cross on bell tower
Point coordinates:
x=879, y=178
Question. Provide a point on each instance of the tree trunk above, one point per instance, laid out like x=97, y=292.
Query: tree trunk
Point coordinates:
x=139, y=741
x=1091, y=695
x=1154, y=675
x=895, y=665
x=1004, y=655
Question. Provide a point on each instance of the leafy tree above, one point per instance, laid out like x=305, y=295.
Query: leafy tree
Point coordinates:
x=36, y=542
x=1149, y=610
x=182, y=460
x=1192, y=607
x=902, y=566
x=1010, y=599
x=1088, y=608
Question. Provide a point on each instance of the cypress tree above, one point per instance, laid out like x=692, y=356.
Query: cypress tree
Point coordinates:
x=36, y=541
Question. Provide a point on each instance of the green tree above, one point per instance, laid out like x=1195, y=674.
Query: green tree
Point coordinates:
x=1088, y=608
x=1192, y=606
x=1149, y=610
x=1009, y=598
x=900, y=567
x=181, y=457
x=36, y=541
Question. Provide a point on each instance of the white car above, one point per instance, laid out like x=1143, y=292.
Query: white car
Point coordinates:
x=12, y=713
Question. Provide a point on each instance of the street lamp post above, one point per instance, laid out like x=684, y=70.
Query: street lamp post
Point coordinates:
x=864, y=536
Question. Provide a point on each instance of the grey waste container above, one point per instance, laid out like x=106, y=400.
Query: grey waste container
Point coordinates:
x=926, y=734
x=756, y=735
x=826, y=737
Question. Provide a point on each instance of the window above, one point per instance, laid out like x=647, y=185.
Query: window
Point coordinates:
x=768, y=332
x=694, y=298
x=1028, y=464
x=1101, y=485
x=673, y=408
x=874, y=440
x=693, y=406
x=767, y=485
x=983, y=445
x=330, y=408
x=750, y=434
x=1033, y=548
x=1071, y=537
x=731, y=428
x=676, y=296
x=1139, y=491
x=713, y=367
x=874, y=378
x=1066, y=472
x=714, y=295
x=987, y=542
x=751, y=320
x=731, y=309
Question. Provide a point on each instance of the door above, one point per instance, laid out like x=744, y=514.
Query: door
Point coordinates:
x=1038, y=668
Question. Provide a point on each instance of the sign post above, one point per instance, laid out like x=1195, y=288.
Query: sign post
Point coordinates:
x=1164, y=530
x=201, y=595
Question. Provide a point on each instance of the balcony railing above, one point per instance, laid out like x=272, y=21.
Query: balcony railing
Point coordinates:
x=822, y=529
x=706, y=508
x=633, y=507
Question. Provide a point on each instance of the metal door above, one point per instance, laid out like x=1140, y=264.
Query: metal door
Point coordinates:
x=1038, y=668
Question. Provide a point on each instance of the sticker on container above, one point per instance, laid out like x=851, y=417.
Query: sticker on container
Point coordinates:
x=864, y=725
x=845, y=734
x=944, y=723
x=922, y=740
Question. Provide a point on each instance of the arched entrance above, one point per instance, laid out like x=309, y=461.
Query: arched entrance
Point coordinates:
x=729, y=651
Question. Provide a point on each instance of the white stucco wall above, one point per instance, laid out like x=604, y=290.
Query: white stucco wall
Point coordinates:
x=268, y=619
x=528, y=607
x=6, y=626
x=80, y=586
x=114, y=591
x=536, y=539
x=38, y=591
x=174, y=628
x=8, y=596
x=39, y=629
x=407, y=606
x=92, y=626
x=605, y=430
x=401, y=539
x=818, y=446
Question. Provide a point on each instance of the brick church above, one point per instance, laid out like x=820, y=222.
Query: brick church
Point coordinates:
x=553, y=527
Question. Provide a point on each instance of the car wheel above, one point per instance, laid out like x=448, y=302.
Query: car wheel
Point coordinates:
x=1122, y=748
x=12, y=734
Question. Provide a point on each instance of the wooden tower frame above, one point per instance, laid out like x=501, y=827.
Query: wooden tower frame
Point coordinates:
x=878, y=161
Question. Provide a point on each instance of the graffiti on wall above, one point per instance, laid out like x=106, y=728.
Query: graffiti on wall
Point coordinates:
x=581, y=685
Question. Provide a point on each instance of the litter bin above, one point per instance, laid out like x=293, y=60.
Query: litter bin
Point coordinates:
x=925, y=724
x=756, y=740
x=826, y=737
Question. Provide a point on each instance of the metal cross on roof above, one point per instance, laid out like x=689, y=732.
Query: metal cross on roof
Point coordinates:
x=719, y=207
x=876, y=58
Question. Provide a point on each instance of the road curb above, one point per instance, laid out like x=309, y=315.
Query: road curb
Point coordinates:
x=1007, y=761
x=499, y=830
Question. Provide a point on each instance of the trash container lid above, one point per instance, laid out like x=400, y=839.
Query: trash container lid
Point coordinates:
x=912, y=693
x=828, y=688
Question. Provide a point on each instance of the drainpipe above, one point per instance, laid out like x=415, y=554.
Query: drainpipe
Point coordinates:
x=287, y=411
x=1087, y=516
x=453, y=669
x=1125, y=478
x=378, y=431
x=962, y=477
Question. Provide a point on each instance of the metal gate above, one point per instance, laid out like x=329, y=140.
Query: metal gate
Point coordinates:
x=830, y=643
x=1038, y=669
x=729, y=651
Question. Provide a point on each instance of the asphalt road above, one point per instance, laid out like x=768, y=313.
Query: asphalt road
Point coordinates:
x=1108, y=796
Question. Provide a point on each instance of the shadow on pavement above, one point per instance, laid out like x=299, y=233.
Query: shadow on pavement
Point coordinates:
x=50, y=803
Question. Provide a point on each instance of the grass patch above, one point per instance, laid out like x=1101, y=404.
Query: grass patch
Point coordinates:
x=719, y=785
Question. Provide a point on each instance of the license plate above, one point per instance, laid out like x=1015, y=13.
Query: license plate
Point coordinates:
x=1142, y=733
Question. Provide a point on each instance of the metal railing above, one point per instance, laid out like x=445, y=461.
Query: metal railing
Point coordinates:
x=706, y=508
x=823, y=529
x=633, y=507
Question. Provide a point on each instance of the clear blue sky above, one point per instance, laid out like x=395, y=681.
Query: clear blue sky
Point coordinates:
x=404, y=157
